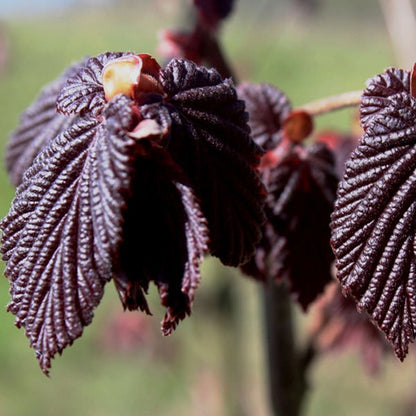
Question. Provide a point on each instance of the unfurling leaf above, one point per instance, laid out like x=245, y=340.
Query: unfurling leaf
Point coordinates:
x=295, y=245
x=121, y=187
x=268, y=108
x=302, y=182
x=173, y=232
x=374, y=219
x=210, y=140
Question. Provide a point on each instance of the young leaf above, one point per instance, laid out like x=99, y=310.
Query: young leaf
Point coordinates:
x=302, y=183
x=268, y=108
x=124, y=191
x=374, y=217
x=83, y=92
x=165, y=237
x=295, y=245
x=38, y=125
x=62, y=234
x=210, y=140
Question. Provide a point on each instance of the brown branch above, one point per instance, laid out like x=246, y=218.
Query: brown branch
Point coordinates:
x=335, y=102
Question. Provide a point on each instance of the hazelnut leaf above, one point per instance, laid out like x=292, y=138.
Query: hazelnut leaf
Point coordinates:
x=38, y=125
x=61, y=236
x=210, y=140
x=295, y=244
x=374, y=219
x=268, y=108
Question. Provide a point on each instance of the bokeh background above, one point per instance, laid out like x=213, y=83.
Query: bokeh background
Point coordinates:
x=213, y=365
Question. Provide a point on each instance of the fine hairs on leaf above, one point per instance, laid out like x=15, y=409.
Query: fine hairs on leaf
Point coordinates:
x=144, y=171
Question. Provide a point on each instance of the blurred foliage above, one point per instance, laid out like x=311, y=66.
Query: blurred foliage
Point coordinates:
x=185, y=373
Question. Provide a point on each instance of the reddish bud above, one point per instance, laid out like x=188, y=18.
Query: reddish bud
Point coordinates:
x=297, y=126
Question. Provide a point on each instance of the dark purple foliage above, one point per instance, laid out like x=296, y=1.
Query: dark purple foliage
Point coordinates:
x=268, y=108
x=374, y=219
x=124, y=187
x=302, y=182
x=38, y=125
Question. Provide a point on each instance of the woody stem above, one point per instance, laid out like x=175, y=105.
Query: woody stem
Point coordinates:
x=285, y=362
x=335, y=102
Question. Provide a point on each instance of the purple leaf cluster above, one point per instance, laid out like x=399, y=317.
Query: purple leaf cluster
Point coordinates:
x=301, y=182
x=132, y=187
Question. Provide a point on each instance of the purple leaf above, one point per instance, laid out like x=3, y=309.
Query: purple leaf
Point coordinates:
x=62, y=234
x=210, y=141
x=379, y=89
x=165, y=237
x=38, y=125
x=126, y=191
x=268, y=108
x=374, y=219
x=295, y=244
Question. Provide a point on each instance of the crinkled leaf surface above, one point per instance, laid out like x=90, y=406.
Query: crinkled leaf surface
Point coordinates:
x=210, y=141
x=165, y=214
x=127, y=191
x=374, y=219
x=38, y=125
x=295, y=246
x=376, y=97
x=61, y=236
x=268, y=107
x=83, y=92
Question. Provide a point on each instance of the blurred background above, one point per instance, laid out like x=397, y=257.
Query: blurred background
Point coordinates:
x=213, y=364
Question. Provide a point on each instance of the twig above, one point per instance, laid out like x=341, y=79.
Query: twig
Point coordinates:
x=335, y=102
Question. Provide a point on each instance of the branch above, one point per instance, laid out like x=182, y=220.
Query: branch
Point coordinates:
x=287, y=384
x=335, y=102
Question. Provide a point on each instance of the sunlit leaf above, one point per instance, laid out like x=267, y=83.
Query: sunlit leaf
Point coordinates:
x=62, y=234
x=38, y=125
x=374, y=219
x=83, y=92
